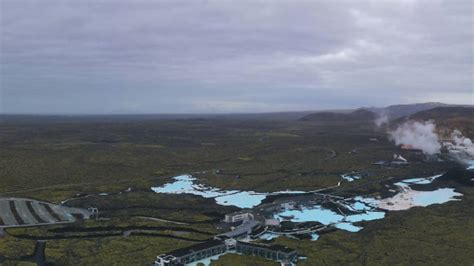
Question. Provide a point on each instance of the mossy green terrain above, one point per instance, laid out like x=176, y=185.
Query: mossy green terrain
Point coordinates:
x=437, y=235
x=78, y=160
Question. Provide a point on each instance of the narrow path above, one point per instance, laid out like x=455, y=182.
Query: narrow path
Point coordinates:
x=333, y=153
x=161, y=220
x=92, y=236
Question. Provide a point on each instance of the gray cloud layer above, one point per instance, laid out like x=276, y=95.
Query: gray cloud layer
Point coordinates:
x=232, y=56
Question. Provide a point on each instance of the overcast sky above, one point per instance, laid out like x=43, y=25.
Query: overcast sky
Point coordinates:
x=97, y=56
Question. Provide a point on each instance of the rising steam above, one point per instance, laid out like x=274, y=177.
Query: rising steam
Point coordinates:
x=423, y=136
x=459, y=144
x=382, y=118
x=418, y=135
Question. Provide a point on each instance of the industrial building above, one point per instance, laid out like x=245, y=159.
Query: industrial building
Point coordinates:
x=242, y=230
x=215, y=247
x=238, y=216
x=191, y=254
x=273, y=252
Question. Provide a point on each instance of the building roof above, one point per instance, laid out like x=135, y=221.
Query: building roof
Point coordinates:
x=244, y=211
x=278, y=248
x=242, y=229
x=281, y=248
x=198, y=247
x=273, y=222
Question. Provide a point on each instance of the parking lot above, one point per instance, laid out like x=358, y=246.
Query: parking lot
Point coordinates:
x=17, y=212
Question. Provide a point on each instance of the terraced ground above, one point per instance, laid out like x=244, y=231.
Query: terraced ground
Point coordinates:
x=17, y=212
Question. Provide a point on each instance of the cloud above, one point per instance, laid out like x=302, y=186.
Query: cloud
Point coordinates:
x=149, y=56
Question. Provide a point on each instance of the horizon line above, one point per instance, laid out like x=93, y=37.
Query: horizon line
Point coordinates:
x=222, y=113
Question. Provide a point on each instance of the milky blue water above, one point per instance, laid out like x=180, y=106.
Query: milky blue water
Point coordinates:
x=315, y=213
x=243, y=199
x=350, y=177
x=367, y=208
x=326, y=216
x=359, y=206
x=408, y=197
x=426, y=198
x=419, y=181
x=438, y=196
x=185, y=184
x=348, y=227
x=471, y=165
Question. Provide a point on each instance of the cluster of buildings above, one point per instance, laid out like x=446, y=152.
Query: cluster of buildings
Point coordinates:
x=193, y=253
x=219, y=246
x=243, y=227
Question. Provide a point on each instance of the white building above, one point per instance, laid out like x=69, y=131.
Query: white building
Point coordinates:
x=238, y=216
x=398, y=157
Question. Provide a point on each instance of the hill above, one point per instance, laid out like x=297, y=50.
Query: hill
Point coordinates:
x=400, y=110
x=392, y=112
x=448, y=118
x=359, y=115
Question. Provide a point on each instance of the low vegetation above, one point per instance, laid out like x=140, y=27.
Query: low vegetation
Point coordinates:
x=78, y=160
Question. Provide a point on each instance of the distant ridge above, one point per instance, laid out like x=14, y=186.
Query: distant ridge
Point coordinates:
x=401, y=110
x=443, y=113
x=392, y=112
x=357, y=115
x=447, y=118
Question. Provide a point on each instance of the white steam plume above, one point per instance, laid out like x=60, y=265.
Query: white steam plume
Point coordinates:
x=382, y=118
x=419, y=135
x=460, y=144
